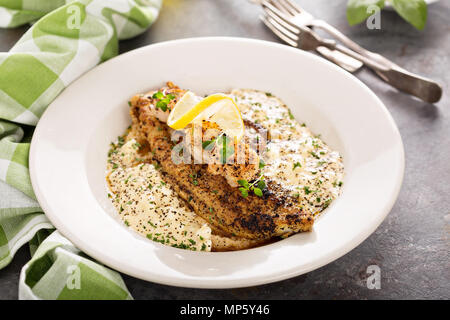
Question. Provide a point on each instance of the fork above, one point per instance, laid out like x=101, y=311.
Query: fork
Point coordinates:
x=301, y=36
x=342, y=60
x=299, y=17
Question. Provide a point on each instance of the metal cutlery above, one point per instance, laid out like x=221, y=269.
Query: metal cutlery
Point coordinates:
x=342, y=60
x=292, y=25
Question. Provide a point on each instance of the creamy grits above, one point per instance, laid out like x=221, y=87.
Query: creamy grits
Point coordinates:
x=295, y=158
x=147, y=204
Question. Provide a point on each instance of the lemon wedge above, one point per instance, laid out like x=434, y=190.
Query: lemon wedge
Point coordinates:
x=218, y=108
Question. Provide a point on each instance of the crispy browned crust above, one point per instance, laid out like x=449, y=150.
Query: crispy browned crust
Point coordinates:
x=225, y=209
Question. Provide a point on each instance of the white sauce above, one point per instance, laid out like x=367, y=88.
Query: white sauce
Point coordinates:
x=147, y=204
x=295, y=159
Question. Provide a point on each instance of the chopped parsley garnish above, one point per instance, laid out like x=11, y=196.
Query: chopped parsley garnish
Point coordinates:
x=180, y=246
x=314, y=154
x=194, y=179
x=336, y=183
x=307, y=191
x=297, y=164
x=121, y=141
x=261, y=164
x=291, y=116
x=315, y=144
x=112, y=151
x=327, y=203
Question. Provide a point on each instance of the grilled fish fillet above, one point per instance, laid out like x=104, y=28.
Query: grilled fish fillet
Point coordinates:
x=210, y=196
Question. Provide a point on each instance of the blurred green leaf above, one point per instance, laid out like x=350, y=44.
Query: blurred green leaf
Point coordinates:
x=357, y=10
x=413, y=11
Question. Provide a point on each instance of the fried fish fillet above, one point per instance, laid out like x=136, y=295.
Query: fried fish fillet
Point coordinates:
x=210, y=196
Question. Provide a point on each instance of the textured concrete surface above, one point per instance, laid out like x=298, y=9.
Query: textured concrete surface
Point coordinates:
x=412, y=245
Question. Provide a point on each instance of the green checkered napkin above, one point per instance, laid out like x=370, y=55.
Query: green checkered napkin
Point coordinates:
x=68, y=39
x=58, y=270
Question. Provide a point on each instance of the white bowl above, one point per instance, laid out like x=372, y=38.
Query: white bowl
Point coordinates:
x=70, y=144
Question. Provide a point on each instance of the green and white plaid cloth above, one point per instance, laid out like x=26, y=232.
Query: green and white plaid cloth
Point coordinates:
x=67, y=39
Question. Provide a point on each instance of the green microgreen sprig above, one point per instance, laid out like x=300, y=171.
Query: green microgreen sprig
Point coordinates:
x=163, y=100
x=256, y=187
